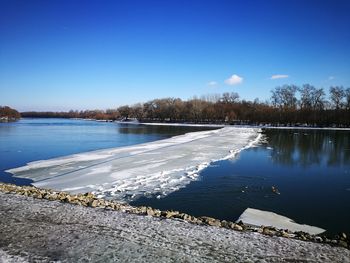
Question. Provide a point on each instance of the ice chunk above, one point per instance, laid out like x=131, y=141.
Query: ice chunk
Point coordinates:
x=264, y=218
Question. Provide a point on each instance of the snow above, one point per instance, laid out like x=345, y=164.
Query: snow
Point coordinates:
x=5, y=257
x=264, y=218
x=156, y=168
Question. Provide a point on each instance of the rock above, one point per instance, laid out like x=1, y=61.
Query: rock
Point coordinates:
x=149, y=211
x=343, y=236
x=318, y=239
x=284, y=234
x=157, y=212
x=237, y=227
x=268, y=231
x=69, y=199
x=62, y=196
x=210, y=221
x=214, y=223
x=94, y=203
x=343, y=243
x=334, y=241
x=52, y=196
x=169, y=214
x=207, y=218
x=101, y=203
x=141, y=210
x=225, y=224
x=89, y=195
x=240, y=222
x=185, y=217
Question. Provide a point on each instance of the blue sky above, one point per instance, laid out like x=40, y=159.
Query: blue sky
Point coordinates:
x=61, y=55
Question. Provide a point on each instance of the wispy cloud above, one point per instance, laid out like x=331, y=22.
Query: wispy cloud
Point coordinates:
x=331, y=77
x=279, y=76
x=234, y=80
x=212, y=83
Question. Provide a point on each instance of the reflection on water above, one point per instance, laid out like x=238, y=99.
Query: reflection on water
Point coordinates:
x=309, y=147
x=159, y=129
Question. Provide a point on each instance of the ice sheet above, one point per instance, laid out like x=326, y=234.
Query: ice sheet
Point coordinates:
x=264, y=218
x=125, y=173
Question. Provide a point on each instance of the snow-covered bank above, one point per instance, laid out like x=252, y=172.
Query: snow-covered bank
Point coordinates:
x=156, y=168
x=48, y=231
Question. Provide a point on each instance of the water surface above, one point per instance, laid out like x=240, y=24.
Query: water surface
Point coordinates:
x=310, y=169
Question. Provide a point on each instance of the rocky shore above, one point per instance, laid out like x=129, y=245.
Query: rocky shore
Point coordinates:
x=90, y=200
x=335, y=247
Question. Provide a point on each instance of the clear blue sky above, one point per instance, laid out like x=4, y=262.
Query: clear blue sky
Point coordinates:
x=61, y=55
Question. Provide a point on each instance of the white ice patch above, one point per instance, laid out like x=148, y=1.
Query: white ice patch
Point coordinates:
x=156, y=168
x=264, y=218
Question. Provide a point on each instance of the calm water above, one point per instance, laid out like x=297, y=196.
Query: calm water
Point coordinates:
x=37, y=139
x=311, y=170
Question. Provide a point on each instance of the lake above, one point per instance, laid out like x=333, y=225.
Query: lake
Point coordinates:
x=309, y=168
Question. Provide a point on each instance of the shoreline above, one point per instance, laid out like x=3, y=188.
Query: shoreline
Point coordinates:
x=219, y=125
x=61, y=230
x=90, y=200
x=213, y=125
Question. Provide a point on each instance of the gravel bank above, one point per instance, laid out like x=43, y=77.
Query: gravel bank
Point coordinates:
x=40, y=230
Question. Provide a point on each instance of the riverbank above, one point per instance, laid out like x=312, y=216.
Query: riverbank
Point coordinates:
x=221, y=125
x=36, y=229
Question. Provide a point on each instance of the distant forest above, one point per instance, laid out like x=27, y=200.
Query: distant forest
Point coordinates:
x=8, y=114
x=288, y=105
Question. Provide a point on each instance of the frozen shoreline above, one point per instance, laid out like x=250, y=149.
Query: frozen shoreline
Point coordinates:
x=47, y=231
x=156, y=168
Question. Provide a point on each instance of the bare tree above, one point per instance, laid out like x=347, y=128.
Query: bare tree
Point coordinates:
x=306, y=96
x=347, y=98
x=230, y=97
x=318, y=99
x=124, y=111
x=337, y=95
x=285, y=97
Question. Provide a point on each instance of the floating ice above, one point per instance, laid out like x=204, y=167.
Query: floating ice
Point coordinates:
x=156, y=168
x=264, y=218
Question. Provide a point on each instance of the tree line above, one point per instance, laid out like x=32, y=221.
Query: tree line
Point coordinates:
x=288, y=105
x=8, y=114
